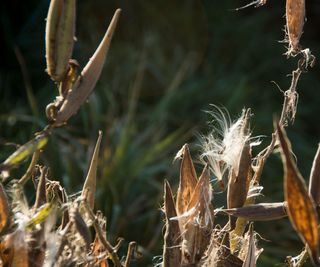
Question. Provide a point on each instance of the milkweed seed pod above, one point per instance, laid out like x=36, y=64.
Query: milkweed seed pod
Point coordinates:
x=300, y=206
x=295, y=16
x=60, y=32
x=85, y=84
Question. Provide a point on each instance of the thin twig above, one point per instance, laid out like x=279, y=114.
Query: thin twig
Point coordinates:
x=131, y=248
x=30, y=170
x=289, y=109
x=104, y=242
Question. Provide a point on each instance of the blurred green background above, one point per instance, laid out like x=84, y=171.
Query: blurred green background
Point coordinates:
x=168, y=61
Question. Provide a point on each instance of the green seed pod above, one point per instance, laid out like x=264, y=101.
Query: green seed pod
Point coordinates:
x=60, y=32
x=25, y=151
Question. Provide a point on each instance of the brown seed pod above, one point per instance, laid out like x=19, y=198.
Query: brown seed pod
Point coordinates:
x=300, y=206
x=259, y=212
x=85, y=84
x=314, y=183
x=4, y=208
x=238, y=184
x=295, y=16
x=198, y=224
x=60, y=31
x=188, y=181
x=172, y=236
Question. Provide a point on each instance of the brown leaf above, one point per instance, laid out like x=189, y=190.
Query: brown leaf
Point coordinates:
x=188, y=181
x=295, y=16
x=4, y=208
x=314, y=183
x=89, y=76
x=300, y=206
x=259, y=212
x=172, y=236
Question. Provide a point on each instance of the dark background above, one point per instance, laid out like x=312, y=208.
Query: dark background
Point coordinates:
x=168, y=61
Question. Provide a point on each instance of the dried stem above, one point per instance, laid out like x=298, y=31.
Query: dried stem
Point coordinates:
x=288, y=112
x=111, y=250
x=30, y=170
x=131, y=248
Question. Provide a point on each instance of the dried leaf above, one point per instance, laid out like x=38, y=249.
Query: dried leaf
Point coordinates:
x=295, y=16
x=4, y=208
x=188, y=182
x=60, y=31
x=89, y=76
x=172, y=236
x=89, y=187
x=25, y=151
x=259, y=212
x=314, y=183
x=300, y=206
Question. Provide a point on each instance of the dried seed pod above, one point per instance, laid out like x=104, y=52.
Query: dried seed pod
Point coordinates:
x=259, y=212
x=88, y=78
x=251, y=253
x=300, y=206
x=238, y=184
x=80, y=226
x=14, y=250
x=188, y=181
x=198, y=227
x=314, y=182
x=4, y=208
x=89, y=187
x=172, y=236
x=60, y=32
x=25, y=151
x=218, y=255
x=295, y=16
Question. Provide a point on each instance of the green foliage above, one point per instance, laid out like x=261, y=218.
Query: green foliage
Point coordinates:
x=169, y=61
